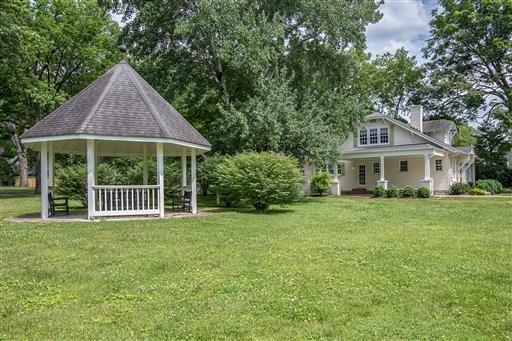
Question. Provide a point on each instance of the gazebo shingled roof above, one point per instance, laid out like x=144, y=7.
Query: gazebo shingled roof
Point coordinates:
x=119, y=103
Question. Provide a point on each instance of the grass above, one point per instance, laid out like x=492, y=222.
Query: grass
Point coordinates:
x=349, y=267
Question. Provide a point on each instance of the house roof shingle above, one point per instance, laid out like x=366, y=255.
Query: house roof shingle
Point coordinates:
x=119, y=103
x=435, y=126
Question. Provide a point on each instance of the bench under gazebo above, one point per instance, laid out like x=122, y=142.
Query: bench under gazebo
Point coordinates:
x=119, y=114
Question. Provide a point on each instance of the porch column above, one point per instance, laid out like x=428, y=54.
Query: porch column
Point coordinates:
x=144, y=164
x=160, y=177
x=427, y=180
x=183, y=170
x=193, y=180
x=91, y=170
x=44, y=180
x=382, y=182
x=51, y=167
x=336, y=181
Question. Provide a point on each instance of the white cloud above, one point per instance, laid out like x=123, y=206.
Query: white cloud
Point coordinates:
x=405, y=23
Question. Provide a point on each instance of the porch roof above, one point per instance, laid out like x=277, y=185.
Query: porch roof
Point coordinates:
x=119, y=107
x=418, y=149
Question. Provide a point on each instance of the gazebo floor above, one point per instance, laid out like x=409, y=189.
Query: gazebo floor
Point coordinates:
x=82, y=217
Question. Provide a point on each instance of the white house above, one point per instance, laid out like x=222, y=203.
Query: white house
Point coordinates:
x=388, y=152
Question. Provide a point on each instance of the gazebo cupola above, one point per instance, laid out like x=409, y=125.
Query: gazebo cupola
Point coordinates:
x=119, y=114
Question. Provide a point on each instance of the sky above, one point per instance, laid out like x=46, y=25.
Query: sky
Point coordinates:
x=405, y=23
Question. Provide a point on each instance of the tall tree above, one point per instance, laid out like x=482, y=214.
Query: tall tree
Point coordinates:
x=49, y=50
x=217, y=61
x=396, y=81
x=470, y=54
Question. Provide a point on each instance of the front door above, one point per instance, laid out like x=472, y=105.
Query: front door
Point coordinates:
x=362, y=175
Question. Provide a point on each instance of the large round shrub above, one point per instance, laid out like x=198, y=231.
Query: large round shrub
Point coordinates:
x=263, y=179
x=378, y=191
x=490, y=185
x=321, y=182
x=459, y=188
x=207, y=171
x=392, y=192
x=408, y=192
x=423, y=192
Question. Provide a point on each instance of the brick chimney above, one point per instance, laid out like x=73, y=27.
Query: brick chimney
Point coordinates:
x=416, y=112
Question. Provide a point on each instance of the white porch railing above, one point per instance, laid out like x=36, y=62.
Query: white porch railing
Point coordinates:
x=126, y=200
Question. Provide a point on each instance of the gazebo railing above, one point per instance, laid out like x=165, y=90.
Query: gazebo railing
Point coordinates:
x=126, y=200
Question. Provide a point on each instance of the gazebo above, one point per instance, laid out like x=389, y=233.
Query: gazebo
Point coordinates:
x=119, y=114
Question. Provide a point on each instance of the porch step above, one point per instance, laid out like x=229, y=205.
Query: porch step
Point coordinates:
x=360, y=191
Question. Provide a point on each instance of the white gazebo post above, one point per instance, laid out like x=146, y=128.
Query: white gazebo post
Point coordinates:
x=193, y=182
x=160, y=177
x=383, y=182
x=144, y=164
x=91, y=171
x=183, y=170
x=51, y=169
x=44, y=180
x=427, y=180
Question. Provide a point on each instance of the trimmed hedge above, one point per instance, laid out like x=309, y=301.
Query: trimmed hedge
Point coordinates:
x=408, y=192
x=423, y=192
x=392, y=192
x=378, y=191
x=459, y=188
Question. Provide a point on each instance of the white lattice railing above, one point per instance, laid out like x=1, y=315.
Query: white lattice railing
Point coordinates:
x=126, y=200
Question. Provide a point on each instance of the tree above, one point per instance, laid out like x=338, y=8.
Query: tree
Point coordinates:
x=207, y=171
x=216, y=61
x=491, y=147
x=396, y=81
x=49, y=50
x=465, y=136
x=470, y=58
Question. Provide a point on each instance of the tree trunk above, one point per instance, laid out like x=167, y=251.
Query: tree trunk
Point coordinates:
x=21, y=155
x=37, y=190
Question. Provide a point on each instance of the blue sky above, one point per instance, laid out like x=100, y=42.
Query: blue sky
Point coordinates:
x=405, y=24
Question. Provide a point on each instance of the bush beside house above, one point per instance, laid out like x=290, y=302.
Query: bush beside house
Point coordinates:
x=392, y=192
x=459, y=188
x=423, y=192
x=321, y=182
x=408, y=192
x=490, y=185
x=378, y=191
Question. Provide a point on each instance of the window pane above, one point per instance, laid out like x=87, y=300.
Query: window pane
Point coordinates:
x=439, y=165
x=384, y=135
x=341, y=169
x=376, y=167
x=403, y=166
x=363, y=137
x=373, y=136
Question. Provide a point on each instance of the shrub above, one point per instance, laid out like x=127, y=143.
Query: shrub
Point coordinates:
x=477, y=191
x=321, y=182
x=71, y=181
x=378, y=191
x=423, y=192
x=262, y=179
x=392, y=192
x=207, y=171
x=507, y=190
x=459, y=188
x=490, y=185
x=408, y=192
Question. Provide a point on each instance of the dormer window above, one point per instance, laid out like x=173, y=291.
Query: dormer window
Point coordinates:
x=373, y=136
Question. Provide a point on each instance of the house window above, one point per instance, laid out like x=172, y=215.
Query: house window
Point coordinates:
x=384, y=137
x=439, y=165
x=330, y=169
x=374, y=138
x=403, y=166
x=341, y=169
x=376, y=167
x=363, y=137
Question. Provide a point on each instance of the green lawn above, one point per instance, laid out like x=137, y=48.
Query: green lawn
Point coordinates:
x=323, y=268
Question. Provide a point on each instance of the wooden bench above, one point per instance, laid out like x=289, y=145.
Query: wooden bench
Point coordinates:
x=57, y=204
x=184, y=202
